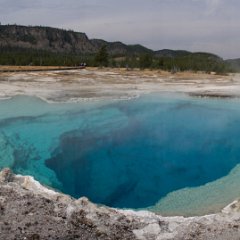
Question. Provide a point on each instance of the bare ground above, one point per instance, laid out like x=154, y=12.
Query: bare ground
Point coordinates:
x=94, y=83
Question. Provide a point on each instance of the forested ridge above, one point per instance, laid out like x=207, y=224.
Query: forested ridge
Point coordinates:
x=46, y=46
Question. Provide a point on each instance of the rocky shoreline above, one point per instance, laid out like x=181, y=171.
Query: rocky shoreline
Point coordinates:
x=31, y=211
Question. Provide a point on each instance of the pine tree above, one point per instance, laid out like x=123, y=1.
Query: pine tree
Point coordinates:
x=101, y=58
x=145, y=61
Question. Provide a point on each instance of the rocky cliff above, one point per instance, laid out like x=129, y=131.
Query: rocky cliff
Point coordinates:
x=46, y=38
x=59, y=40
x=31, y=211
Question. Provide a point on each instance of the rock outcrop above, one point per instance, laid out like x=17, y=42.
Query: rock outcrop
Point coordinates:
x=61, y=41
x=29, y=210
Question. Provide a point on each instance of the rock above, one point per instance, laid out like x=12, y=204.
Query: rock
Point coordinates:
x=5, y=175
x=31, y=211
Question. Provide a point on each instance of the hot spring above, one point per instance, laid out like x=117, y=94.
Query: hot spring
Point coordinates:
x=171, y=154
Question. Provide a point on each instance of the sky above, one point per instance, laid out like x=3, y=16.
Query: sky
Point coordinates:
x=194, y=25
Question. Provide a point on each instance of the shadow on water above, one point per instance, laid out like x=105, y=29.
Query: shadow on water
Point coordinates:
x=163, y=148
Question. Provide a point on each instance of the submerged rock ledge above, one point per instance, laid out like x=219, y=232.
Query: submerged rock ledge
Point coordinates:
x=29, y=210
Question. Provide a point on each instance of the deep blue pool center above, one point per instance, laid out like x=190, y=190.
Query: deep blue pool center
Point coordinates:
x=156, y=152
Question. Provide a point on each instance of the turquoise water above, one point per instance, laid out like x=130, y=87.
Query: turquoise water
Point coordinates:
x=170, y=154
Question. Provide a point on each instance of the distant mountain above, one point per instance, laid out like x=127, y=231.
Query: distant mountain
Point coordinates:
x=171, y=53
x=234, y=64
x=59, y=40
x=44, y=38
x=119, y=48
x=28, y=45
x=168, y=53
x=63, y=41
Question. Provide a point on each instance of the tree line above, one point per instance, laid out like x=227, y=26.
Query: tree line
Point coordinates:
x=189, y=62
x=193, y=62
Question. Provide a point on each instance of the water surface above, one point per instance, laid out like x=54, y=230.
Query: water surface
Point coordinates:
x=170, y=154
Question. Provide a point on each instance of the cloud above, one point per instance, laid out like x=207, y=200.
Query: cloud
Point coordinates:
x=189, y=24
x=213, y=5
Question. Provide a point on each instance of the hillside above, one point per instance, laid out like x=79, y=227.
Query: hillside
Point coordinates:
x=27, y=45
x=59, y=40
x=171, y=53
x=234, y=64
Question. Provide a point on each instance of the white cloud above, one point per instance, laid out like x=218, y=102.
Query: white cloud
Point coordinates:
x=213, y=5
x=188, y=24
